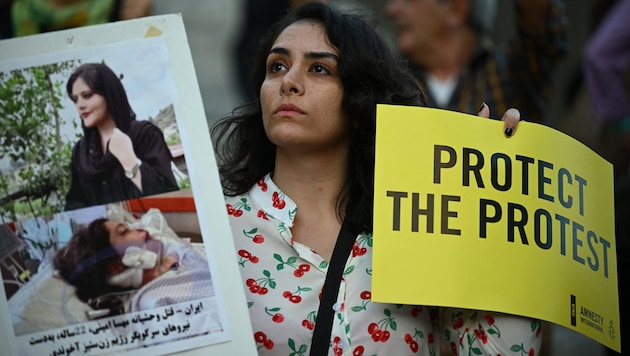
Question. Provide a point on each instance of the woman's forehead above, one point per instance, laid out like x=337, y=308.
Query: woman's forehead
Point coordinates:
x=305, y=35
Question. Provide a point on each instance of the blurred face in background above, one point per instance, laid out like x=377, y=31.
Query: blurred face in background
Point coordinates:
x=418, y=23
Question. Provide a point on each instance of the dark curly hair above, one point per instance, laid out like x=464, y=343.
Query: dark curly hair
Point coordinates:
x=83, y=261
x=369, y=73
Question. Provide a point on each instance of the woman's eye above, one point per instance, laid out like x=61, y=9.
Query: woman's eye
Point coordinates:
x=276, y=67
x=318, y=68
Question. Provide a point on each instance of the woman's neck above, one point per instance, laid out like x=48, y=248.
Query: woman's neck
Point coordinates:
x=313, y=181
x=314, y=184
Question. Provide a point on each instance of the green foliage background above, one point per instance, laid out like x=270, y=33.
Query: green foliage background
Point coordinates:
x=30, y=104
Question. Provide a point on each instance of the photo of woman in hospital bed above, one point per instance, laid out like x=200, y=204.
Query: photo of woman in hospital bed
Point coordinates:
x=117, y=259
x=109, y=257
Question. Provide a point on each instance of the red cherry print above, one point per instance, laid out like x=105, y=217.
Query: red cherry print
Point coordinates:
x=372, y=328
x=489, y=319
x=298, y=273
x=255, y=289
x=238, y=213
x=458, y=323
x=261, y=183
x=230, y=209
x=362, y=251
x=376, y=336
x=258, y=239
x=250, y=282
x=366, y=295
x=261, y=214
x=253, y=259
x=415, y=311
x=531, y=352
x=430, y=338
x=244, y=253
x=274, y=196
x=304, y=267
x=295, y=299
x=414, y=346
x=308, y=324
x=286, y=294
x=454, y=348
x=281, y=204
x=408, y=338
x=385, y=336
x=358, y=351
x=260, y=337
x=278, y=318
x=263, y=291
x=268, y=344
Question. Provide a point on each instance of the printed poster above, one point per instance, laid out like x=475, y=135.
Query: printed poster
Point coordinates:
x=177, y=290
x=467, y=217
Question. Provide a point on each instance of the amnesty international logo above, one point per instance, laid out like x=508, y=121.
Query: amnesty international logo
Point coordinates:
x=611, y=330
x=591, y=319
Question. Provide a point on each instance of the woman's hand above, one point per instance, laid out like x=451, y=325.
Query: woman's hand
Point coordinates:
x=121, y=147
x=510, y=119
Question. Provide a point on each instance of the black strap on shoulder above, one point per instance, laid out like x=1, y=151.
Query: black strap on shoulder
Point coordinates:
x=325, y=313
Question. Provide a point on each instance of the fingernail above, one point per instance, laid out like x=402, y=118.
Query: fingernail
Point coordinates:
x=482, y=105
x=508, y=132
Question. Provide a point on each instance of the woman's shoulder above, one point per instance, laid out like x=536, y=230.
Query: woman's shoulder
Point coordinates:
x=142, y=125
x=144, y=130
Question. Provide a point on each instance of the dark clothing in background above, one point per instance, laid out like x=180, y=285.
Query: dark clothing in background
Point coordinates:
x=520, y=76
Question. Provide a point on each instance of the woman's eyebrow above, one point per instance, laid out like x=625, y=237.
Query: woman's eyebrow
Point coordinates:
x=321, y=55
x=309, y=55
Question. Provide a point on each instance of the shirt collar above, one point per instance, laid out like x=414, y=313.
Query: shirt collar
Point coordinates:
x=273, y=201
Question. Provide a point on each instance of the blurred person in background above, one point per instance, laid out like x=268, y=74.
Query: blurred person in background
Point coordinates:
x=30, y=17
x=448, y=46
x=606, y=66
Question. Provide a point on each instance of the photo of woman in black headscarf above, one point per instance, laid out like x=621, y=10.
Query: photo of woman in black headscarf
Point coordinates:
x=118, y=157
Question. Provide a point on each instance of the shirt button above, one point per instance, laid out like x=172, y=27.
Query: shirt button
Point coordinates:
x=337, y=306
x=341, y=344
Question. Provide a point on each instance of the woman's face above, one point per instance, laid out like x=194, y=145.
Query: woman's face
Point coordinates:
x=91, y=106
x=122, y=236
x=302, y=93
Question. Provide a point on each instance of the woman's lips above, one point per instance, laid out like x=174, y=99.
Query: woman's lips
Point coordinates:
x=288, y=110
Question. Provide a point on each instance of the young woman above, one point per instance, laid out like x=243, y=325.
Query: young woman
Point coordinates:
x=118, y=157
x=298, y=164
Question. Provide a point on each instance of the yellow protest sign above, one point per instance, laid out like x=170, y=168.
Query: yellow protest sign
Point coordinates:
x=466, y=217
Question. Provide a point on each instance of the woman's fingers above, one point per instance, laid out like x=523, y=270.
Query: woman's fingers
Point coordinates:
x=510, y=121
x=510, y=118
x=484, y=111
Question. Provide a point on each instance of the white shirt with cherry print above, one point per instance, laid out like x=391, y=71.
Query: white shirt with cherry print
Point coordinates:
x=283, y=281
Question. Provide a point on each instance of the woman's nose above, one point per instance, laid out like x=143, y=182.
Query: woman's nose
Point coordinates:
x=292, y=83
x=79, y=103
